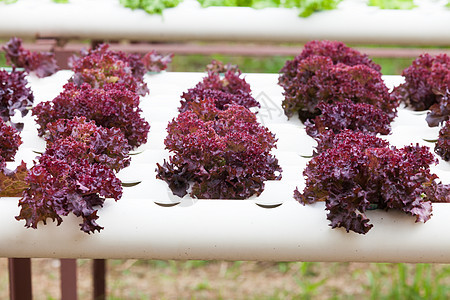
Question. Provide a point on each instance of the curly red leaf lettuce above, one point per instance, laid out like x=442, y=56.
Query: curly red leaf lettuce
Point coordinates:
x=223, y=154
x=224, y=84
x=111, y=106
x=329, y=139
x=156, y=62
x=442, y=147
x=426, y=79
x=63, y=181
x=15, y=95
x=9, y=142
x=317, y=78
x=101, y=66
x=339, y=116
x=217, y=66
x=222, y=99
x=354, y=177
x=230, y=82
x=440, y=111
x=43, y=64
x=108, y=146
x=337, y=51
x=427, y=86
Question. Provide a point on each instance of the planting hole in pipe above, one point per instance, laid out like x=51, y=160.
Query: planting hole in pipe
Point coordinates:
x=430, y=141
x=268, y=205
x=419, y=113
x=167, y=204
x=130, y=183
x=136, y=152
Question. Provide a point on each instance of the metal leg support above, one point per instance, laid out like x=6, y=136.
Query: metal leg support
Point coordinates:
x=20, y=287
x=99, y=279
x=68, y=279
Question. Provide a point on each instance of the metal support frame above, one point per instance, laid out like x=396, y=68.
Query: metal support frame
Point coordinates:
x=20, y=286
x=99, y=278
x=68, y=271
x=20, y=279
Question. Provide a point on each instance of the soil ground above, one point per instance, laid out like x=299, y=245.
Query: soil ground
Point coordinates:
x=139, y=279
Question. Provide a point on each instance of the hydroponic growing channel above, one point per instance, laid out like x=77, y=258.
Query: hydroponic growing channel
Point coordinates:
x=353, y=21
x=150, y=222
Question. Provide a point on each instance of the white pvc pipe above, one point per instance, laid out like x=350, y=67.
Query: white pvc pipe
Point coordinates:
x=229, y=230
x=270, y=227
x=352, y=22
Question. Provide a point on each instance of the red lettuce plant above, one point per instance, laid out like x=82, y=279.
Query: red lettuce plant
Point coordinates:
x=156, y=62
x=108, y=146
x=336, y=117
x=337, y=51
x=426, y=86
x=75, y=174
x=9, y=142
x=15, y=95
x=329, y=139
x=66, y=180
x=224, y=84
x=440, y=111
x=425, y=80
x=222, y=99
x=442, y=147
x=111, y=106
x=317, y=78
x=357, y=175
x=217, y=66
x=230, y=82
x=43, y=64
x=101, y=66
x=222, y=154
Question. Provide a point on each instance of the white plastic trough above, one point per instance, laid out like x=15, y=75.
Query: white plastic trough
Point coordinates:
x=150, y=223
x=352, y=22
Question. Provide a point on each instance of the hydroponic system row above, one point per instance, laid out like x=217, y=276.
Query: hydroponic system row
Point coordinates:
x=329, y=160
x=116, y=162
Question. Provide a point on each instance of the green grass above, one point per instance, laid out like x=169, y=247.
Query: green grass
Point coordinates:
x=393, y=66
x=272, y=64
x=408, y=281
x=199, y=279
x=197, y=63
x=3, y=60
x=380, y=281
